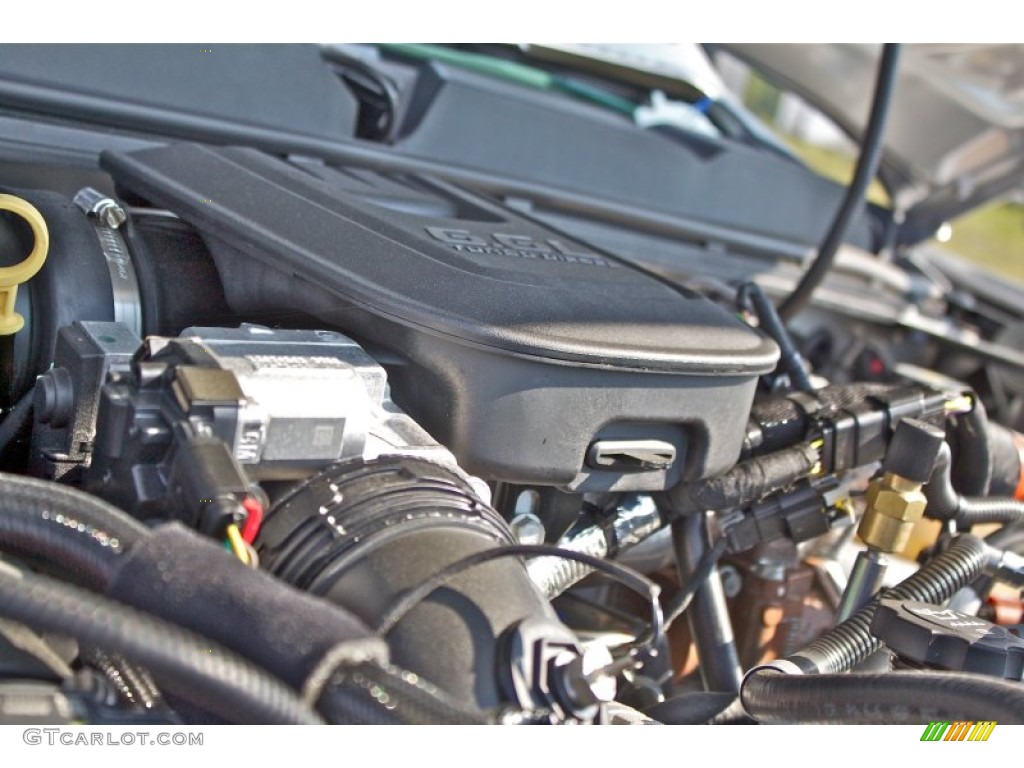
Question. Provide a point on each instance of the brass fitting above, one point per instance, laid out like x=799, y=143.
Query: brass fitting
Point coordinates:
x=894, y=504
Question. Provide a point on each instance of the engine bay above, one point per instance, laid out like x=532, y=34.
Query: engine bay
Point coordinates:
x=445, y=400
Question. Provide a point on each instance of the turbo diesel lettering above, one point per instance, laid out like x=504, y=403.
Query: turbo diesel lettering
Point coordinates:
x=519, y=246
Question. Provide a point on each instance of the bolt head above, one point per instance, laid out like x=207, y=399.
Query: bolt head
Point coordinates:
x=113, y=216
x=528, y=529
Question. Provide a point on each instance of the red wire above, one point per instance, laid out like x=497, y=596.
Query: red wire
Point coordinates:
x=253, y=521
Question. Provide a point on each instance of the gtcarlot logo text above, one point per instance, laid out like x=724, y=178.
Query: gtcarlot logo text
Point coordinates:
x=71, y=737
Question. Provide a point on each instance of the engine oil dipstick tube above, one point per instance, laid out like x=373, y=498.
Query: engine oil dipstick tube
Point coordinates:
x=895, y=502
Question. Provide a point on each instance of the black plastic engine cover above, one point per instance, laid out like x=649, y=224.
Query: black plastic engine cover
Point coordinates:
x=519, y=347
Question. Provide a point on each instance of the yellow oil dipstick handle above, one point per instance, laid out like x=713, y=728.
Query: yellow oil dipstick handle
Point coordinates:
x=11, y=277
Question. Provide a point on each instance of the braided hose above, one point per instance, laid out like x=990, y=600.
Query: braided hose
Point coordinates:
x=554, y=575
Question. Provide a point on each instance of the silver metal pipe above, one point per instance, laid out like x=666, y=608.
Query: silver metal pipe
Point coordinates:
x=865, y=580
x=631, y=524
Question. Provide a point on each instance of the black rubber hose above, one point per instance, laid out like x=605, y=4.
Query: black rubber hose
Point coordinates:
x=699, y=574
x=284, y=631
x=853, y=201
x=695, y=708
x=846, y=645
x=62, y=499
x=1009, y=537
x=982, y=511
x=944, y=503
x=1006, y=456
x=17, y=419
x=882, y=699
x=184, y=664
x=750, y=294
x=742, y=485
x=78, y=534
x=971, y=471
x=371, y=694
x=83, y=554
x=708, y=616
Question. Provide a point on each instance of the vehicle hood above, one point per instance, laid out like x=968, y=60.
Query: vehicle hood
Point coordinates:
x=955, y=134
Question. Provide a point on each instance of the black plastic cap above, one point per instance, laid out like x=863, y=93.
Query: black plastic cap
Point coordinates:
x=913, y=450
x=54, y=398
x=941, y=637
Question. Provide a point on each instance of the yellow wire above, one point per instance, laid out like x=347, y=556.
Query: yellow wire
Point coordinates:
x=961, y=404
x=237, y=543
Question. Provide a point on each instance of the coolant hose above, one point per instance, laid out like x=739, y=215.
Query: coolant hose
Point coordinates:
x=61, y=499
x=944, y=503
x=896, y=697
x=80, y=534
x=108, y=550
x=183, y=663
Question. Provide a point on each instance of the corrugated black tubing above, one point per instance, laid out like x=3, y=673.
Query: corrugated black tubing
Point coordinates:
x=770, y=697
x=846, y=645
